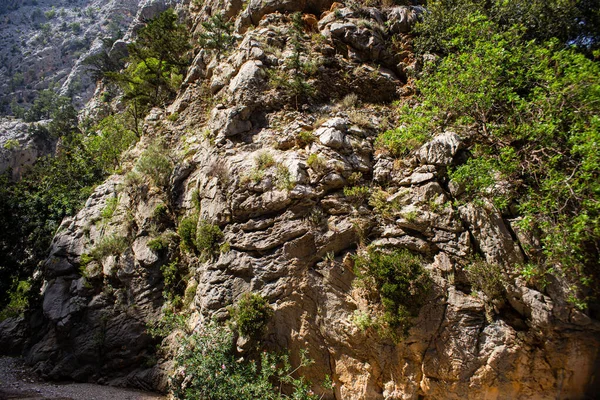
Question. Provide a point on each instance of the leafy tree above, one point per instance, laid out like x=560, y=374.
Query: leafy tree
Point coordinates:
x=111, y=138
x=529, y=108
x=157, y=61
x=575, y=21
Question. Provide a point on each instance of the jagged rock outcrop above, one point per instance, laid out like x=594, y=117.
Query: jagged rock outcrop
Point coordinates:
x=45, y=44
x=291, y=231
x=20, y=148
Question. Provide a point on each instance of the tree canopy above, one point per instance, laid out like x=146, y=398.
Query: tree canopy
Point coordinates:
x=518, y=81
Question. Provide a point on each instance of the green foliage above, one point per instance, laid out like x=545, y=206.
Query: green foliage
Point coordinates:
x=400, y=141
x=50, y=13
x=157, y=62
x=381, y=205
x=283, y=177
x=110, y=207
x=316, y=162
x=357, y=195
x=293, y=78
x=11, y=144
x=187, y=232
x=531, y=109
x=304, y=138
x=169, y=321
x=250, y=315
x=401, y=285
x=155, y=163
x=159, y=244
x=263, y=161
x=570, y=21
x=35, y=206
x=487, y=278
x=208, y=239
x=171, y=274
x=49, y=105
x=212, y=370
x=160, y=212
x=217, y=33
x=112, y=138
x=18, y=300
x=113, y=245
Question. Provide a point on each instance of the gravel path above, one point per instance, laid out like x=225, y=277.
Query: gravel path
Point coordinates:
x=17, y=382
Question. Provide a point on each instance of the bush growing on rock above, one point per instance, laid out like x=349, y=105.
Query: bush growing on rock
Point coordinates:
x=109, y=245
x=18, y=300
x=187, y=232
x=155, y=163
x=208, y=239
x=216, y=34
x=250, y=315
x=530, y=106
x=357, y=195
x=207, y=367
x=487, y=278
x=401, y=285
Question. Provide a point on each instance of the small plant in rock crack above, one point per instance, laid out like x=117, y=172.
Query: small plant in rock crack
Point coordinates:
x=208, y=239
x=487, y=278
x=284, y=178
x=316, y=163
x=109, y=245
x=357, y=195
x=304, y=138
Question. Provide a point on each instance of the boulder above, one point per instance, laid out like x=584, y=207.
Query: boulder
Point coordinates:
x=441, y=150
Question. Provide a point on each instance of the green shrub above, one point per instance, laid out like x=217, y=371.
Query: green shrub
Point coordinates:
x=531, y=112
x=381, y=205
x=169, y=321
x=212, y=370
x=304, y=138
x=208, y=239
x=155, y=163
x=487, y=278
x=357, y=195
x=108, y=140
x=250, y=315
x=263, y=161
x=401, y=284
x=284, y=178
x=400, y=141
x=217, y=33
x=187, y=232
x=160, y=212
x=109, y=245
x=158, y=244
x=110, y=207
x=316, y=162
x=11, y=144
x=18, y=300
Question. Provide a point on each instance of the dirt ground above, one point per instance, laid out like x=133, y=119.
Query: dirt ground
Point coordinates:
x=17, y=382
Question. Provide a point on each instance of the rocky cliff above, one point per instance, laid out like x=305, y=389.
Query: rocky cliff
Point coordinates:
x=280, y=171
x=44, y=45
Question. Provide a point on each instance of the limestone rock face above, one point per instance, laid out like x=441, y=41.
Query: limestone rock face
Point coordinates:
x=18, y=148
x=270, y=168
x=45, y=44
